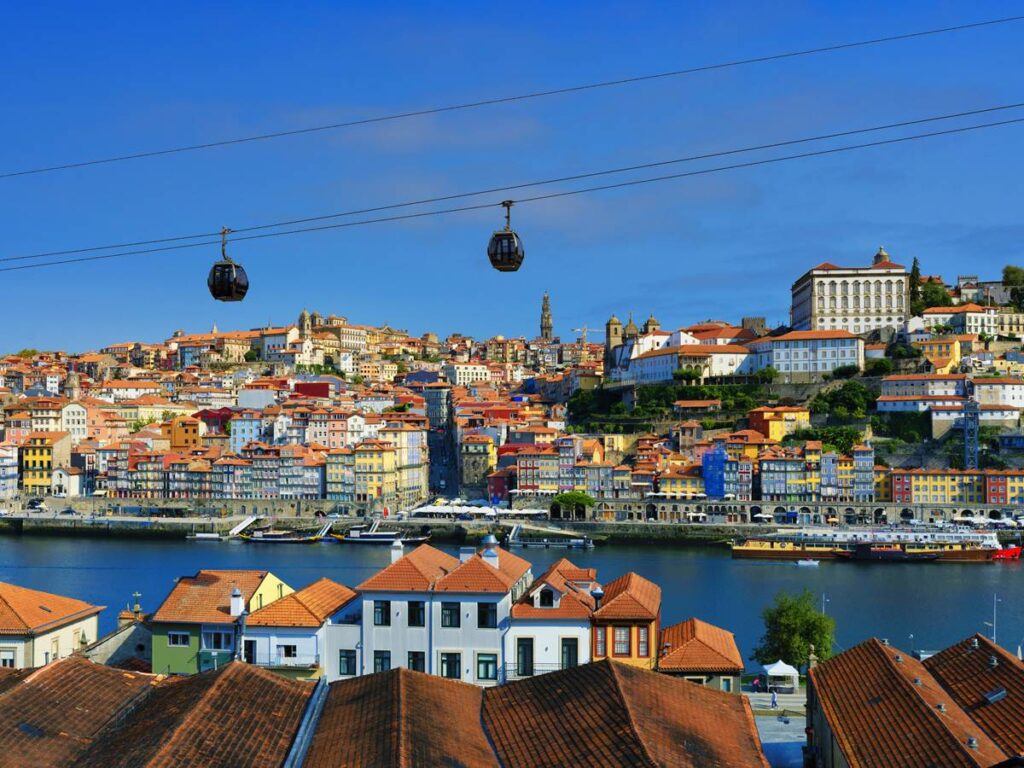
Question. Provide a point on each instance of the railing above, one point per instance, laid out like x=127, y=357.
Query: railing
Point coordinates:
x=211, y=659
x=519, y=672
x=280, y=660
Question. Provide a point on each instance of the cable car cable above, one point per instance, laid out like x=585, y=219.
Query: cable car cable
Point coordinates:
x=525, y=185
x=536, y=198
x=520, y=97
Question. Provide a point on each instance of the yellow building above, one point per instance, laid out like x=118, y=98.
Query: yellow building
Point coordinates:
x=41, y=453
x=627, y=622
x=537, y=469
x=883, y=484
x=938, y=486
x=777, y=422
x=943, y=352
x=376, y=475
x=182, y=433
x=684, y=482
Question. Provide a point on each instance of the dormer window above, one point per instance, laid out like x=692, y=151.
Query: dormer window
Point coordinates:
x=547, y=598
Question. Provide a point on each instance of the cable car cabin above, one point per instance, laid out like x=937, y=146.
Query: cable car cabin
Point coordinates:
x=505, y=251
x=228, y=281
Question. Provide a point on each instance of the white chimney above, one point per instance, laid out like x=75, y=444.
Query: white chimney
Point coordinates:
x=397, y=551
x=465, y=553
x=490, y=556
x=237, y=603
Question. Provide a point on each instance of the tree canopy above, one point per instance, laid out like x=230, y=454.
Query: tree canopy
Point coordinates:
x=791, y=626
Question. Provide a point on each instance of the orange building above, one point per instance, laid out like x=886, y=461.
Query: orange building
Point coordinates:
x=627, y=622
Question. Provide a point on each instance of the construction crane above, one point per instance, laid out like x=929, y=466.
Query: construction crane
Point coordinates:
x=583, y=333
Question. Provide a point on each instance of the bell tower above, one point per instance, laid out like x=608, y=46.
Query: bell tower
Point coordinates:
x=546, y=324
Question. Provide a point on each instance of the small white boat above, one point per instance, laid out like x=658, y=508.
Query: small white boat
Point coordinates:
x=808, y=563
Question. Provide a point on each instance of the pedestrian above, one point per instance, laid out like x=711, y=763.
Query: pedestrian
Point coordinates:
x=757, y=684
x=775, y=700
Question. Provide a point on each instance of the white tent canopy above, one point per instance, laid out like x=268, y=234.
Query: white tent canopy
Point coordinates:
x=782, y=677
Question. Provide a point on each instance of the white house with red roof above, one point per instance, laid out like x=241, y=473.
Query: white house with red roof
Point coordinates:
x=855, y=299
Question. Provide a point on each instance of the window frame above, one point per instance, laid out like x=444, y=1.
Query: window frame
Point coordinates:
x=421, y=657
x=179, y=634
x=378, y=658
x=445, y=665
x=490, y=659
x=417, y=609
x=347, y=654
x=447, y=615
x=491, y=614
x=615, y=641
x=601, y=641
x=382, y=613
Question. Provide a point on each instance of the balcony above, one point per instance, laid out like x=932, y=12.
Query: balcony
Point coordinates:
x=210, y=659
x=307, y=661
x=513, y=671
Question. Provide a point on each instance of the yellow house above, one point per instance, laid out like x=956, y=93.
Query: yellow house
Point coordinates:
x=684, y=482
x=537, y=469
x=883, y=484
x=627, y=622
x=943, y=352
x=775, y=423
x=376, y=472
x=939, y=486
x=41, y=453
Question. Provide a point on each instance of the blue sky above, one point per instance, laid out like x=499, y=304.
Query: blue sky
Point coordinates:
x=81, y=80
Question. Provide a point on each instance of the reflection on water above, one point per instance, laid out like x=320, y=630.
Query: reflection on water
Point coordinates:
x=936, y=603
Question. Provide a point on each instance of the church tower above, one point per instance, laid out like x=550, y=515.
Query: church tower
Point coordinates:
x=305, y=325
x=546, y=325
x=612, y=339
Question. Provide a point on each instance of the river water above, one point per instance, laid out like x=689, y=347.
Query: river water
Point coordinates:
x=936, y=603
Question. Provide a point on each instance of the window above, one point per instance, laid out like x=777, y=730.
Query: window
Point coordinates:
x=600, y=634
x=487, y=666
x=451, y=665
x=621, y=646
x=727, y=684
x=487, y=615
x=524, y=656
x=417, y=661
x=450, y=615
x=547, y=598
x=7, y=659
x=641, y=642
x=286, y=651
x=217, y=641
x=570, y=652
x=382, y=613
x=416, y=613
x=381, y=661
x=347, y=662
x=178, y=639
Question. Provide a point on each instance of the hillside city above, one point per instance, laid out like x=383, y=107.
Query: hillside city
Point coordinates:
x=888, y=386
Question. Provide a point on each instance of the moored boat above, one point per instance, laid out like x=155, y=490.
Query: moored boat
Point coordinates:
x=267, y=536
x=888, y=553
x=1008, y=553
x=371, y=534
x=807, y=563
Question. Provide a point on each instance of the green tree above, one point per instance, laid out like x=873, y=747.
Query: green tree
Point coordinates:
x=26, y=353
x=845, y=371
x=688, y=374
x=768, y=374
x=1013, y=278
x=915, y=282
x=791, y=626
x=574, y=501
x=880, y=366
x=251, y=356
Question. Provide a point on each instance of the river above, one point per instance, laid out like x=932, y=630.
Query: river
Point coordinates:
x=936, y=603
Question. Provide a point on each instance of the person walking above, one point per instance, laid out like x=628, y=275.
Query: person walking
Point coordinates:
x=775, y=699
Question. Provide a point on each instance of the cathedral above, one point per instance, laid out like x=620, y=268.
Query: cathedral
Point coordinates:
x=619, y=340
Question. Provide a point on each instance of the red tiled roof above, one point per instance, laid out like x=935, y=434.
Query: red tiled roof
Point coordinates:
x=206, y=597
x=630, y=596
x=476, y=575
x=28, y=611
x=308, y=607
x=416, y=572
x=611, y=714
x=880, y=716
x=697, y=646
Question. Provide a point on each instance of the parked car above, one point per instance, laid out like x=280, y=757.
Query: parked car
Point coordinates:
x=67, y=511
x=34, y=503
x=5, y=513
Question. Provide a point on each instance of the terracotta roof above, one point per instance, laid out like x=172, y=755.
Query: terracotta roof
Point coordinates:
x=697, y=646
x=968, y=675
x=239, y=715
x=416, y=572
x=572, y=584
x=395, y=719
x=27, y=611
x=476, y=575
x=54, y=713
x=206, y=597
x=308, y=607
x=880, y=715
x=630, y=596
x=611, y=714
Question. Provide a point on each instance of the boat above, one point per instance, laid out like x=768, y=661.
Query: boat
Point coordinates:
x=1009, y=552
x=888, y=553
x=203, y=536
x=268, y=536
x=371, y=534
x=808, y=563
x=829, y=544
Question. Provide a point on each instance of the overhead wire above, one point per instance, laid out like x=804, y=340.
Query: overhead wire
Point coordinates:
x=537, y=198
x=529, y=184
x=520, y=97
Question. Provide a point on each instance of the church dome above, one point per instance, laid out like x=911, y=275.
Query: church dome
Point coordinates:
x=613, y=320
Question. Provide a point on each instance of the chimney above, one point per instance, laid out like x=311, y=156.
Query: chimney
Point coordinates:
x=974, y=642
x=237, y=603
x=490, y=556
x=465, y=553
x=597, y=593
x=397, y=551
x=137, y=607
x=993, y=662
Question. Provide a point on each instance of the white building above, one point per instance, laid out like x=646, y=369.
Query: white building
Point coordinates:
x=1002, y=390
x=8, y=471
x=37, y=627
x=965, y=318
x=461, y=374
x=290, y=635
x=925, y=384
x=433, y=613
x=74, y=419
x=808, y=355
x=551, y=623
x=855, y=299
x=705, y=359
x=67, y=481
